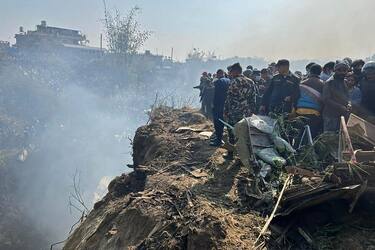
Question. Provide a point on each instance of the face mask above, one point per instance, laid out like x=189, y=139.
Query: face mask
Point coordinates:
x=257, y=78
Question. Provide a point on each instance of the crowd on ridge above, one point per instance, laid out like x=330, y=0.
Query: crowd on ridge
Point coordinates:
x=321, y=96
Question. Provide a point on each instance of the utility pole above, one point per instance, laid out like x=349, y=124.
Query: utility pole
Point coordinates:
x=172, y=54
x=101, y=41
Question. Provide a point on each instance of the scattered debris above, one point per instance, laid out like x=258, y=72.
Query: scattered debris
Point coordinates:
x=187, y=129
x=206, y=134
x=182, y=194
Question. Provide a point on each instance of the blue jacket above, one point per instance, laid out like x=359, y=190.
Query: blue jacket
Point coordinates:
x=311, y=94
x=306, y=101
x=221, y=89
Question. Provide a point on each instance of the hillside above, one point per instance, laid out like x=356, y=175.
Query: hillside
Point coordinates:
x=183, y=195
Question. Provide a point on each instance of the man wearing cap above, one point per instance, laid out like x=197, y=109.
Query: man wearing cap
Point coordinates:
x=283, y=92
x=240, y=100
x=248, y=73
x=336, y=98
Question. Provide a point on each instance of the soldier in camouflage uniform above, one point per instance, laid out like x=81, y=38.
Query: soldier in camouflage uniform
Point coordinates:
x=241, y=100
x=206, y=88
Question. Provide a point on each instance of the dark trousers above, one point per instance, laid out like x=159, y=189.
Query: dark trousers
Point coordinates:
x=315, y=123
x=331, y=124
x=219, y=126
x=231, y=137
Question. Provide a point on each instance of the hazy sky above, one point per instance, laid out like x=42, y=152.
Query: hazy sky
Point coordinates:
x=293, y=29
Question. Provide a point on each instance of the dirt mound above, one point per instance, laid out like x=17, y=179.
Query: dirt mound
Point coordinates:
x=181, y=194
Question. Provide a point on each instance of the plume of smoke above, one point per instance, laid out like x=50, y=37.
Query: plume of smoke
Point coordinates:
x=77, y=128
x=83, y=135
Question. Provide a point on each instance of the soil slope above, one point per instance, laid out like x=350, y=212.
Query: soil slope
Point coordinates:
x=181, y=194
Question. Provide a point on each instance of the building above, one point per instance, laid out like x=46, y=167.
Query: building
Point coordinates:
x=54, y=41
x=48, y=36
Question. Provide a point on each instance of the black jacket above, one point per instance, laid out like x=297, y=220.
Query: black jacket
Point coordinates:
x=335, y=98
x=281, y=87
x=368, y=95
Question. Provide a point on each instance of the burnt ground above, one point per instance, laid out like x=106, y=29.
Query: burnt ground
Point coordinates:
x=182, y=194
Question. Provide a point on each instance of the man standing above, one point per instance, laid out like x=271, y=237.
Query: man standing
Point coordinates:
x=272, y=69
x=368, y=88
x=206, y=94
x=283, y=92
x=220, y=95
x=262, y=86
x=240, y=100
x=355, y=95
x=308, y=67
x=265, y=75
x=327, y=71
x=309, y=104
x=357, y=66
x=248, y=73
x=336, y=98
x=264, y=82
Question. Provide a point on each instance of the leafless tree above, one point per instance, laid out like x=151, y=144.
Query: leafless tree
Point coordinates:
x=76, y=200
x=124, y=34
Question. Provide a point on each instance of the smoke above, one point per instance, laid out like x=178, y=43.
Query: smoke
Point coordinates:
x=101, y=189
x=80, y=116
x=84, y=137
x=309, y=30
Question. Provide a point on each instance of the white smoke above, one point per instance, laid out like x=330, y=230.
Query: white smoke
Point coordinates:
x=101, y=189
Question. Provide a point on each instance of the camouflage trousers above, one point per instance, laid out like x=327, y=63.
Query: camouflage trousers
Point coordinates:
x=232, y=120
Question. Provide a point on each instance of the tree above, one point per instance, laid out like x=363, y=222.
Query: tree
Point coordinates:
x=123, y=34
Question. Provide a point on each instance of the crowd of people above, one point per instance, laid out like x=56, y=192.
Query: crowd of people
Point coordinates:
x=320, y=97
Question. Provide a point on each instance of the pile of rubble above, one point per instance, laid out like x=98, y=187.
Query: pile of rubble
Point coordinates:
x=289, y=181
